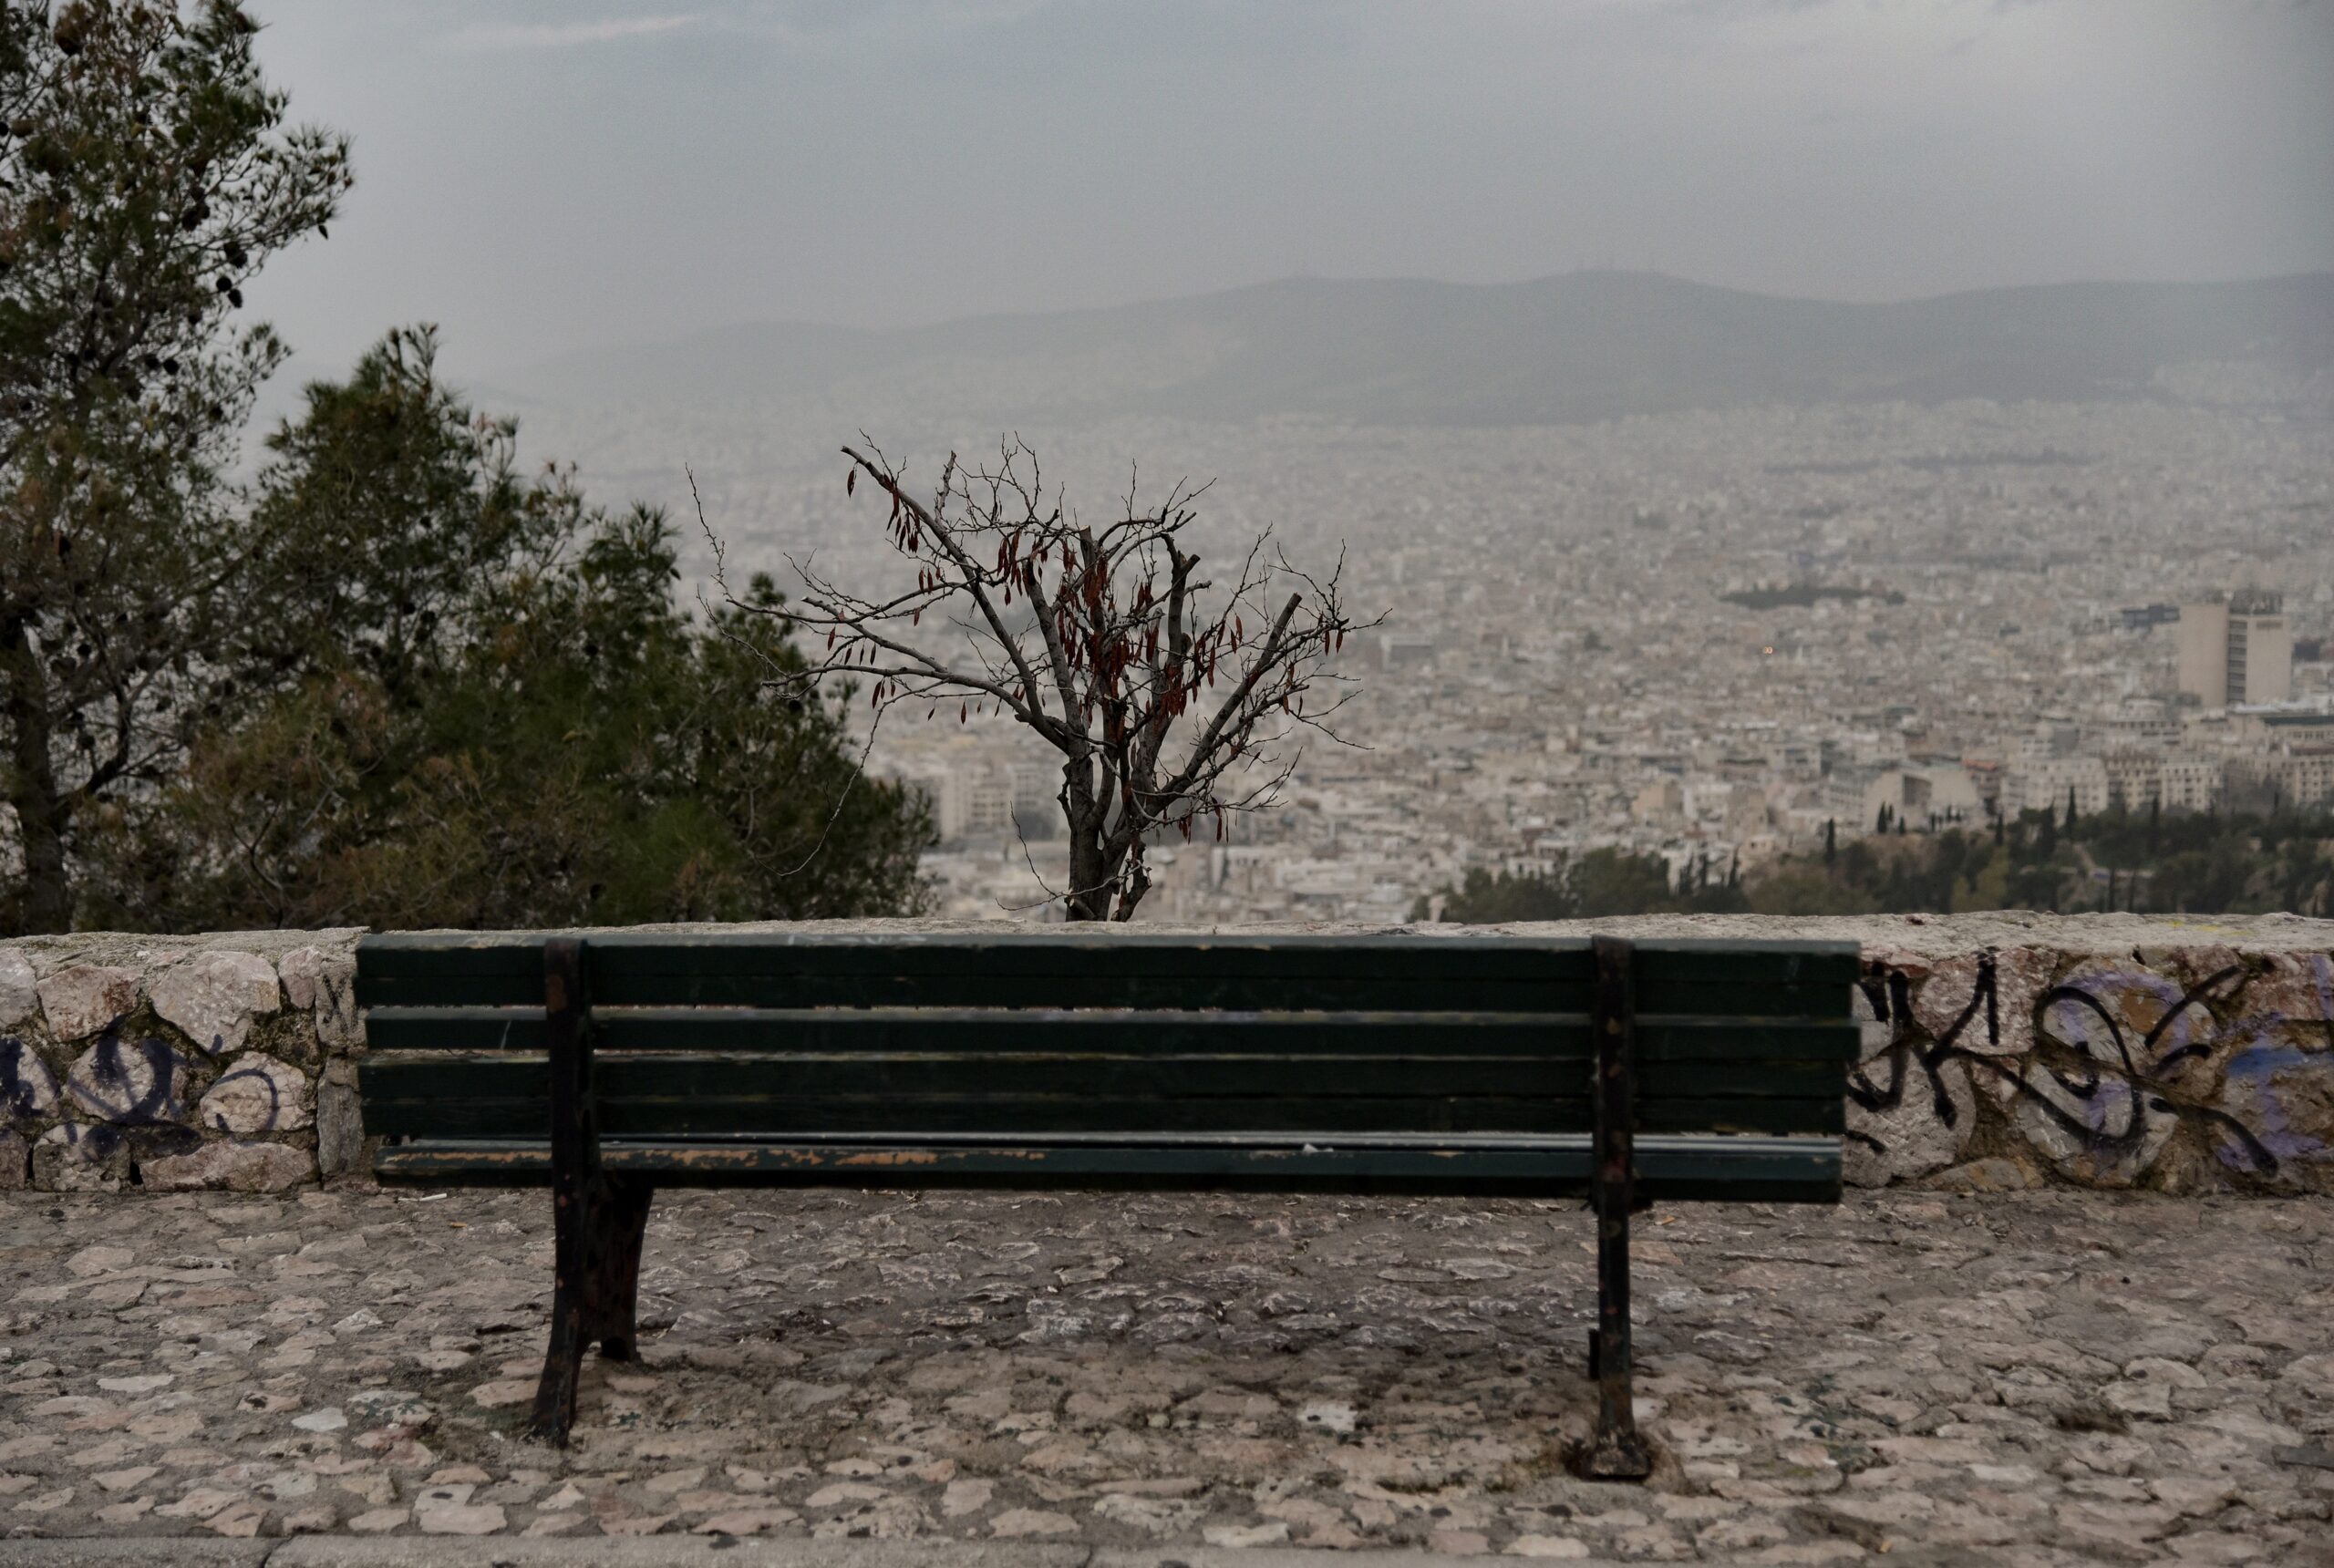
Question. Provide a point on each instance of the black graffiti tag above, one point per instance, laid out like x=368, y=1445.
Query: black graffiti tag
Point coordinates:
x=25, y=1080
x=251, y=1075
x=2138, y=1072
x=110, y=1088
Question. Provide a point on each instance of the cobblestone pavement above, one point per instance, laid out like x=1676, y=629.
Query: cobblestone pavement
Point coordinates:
x=2036, y=1377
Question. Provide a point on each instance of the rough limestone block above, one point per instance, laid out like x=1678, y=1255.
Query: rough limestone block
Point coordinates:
x=162, y=1139
x=1995, y=1175
x=324, y=984
x=2161, y=1056
x=1895, y=1130
x=82, y=998
x=2127, y=1018
x=340, y=1129
x=258, y=1094
x=2097, y=1128
x=130, y=1083
x=2214, y=969
x=2294, y=996
x=1907, y=1119
x=27, y=1087
x=19, y=996
x=2277, y=1100
x=1914, y=966
x=234, y=1167
x=215, y=998
x=81, y=1159
x=15, y=1161
x=1940, y=1002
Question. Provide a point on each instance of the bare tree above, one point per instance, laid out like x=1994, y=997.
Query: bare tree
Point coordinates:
x=1171, y=698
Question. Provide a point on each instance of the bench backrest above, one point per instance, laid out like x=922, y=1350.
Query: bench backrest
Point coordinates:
x=754, y=1035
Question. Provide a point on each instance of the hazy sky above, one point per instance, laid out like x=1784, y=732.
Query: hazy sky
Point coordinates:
x=541, y=175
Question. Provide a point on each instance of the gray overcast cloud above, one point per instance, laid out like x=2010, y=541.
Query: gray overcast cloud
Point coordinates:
x=540, y=177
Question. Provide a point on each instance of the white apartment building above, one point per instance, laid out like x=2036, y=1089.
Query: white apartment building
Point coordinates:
x=2187, y=782
x=1853, y=796
x=2141, y=724
x=2045, y=782
x=2308, y=775
x=2177, y=781
x=2303, y=776
x=967, y=803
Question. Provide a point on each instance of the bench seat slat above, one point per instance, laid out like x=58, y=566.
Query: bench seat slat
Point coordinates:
x=1092, y=989
x=1292, y=992
x=667, y=1075
x=625, y=961
x=1062, y=951
x=1131, y=1116
x=1561, y=1037
x=1674, y=1169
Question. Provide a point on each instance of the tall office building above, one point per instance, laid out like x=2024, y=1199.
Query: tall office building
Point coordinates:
x=2236, y=650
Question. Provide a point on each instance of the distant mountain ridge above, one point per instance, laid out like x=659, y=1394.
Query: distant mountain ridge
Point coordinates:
x=1558, y=350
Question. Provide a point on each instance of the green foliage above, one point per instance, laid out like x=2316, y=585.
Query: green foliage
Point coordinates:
x=2191, y=863
x=394, y=682
x=488, y=709
x=1596, y=885
x=146, y=174
x=1487, y=898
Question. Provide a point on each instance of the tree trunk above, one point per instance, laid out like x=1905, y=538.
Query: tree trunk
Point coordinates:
x=1089, y=874
x=1087, y=897
x=33, y=794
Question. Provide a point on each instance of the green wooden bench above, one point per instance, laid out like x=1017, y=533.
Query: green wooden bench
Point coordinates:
x=608, y=1066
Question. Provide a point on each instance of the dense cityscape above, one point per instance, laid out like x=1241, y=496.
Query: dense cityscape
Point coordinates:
x=1716, y=638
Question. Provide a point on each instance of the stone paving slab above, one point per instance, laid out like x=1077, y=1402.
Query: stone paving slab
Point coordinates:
x=2040, y=1378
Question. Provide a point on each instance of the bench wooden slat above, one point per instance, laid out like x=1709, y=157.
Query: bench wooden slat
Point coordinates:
x=1023, y=956
x=1092, y=989
x=1287, y=994
x=903, y=1115
x=1425, y=974
x=1041, y=952
x=1764, y=1170
x=935, y=1031
x=1103, y=990
x=733, y=1076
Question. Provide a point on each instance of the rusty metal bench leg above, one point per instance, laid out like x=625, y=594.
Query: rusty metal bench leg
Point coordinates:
x=1616, y=1452
x=576, y=1188
x=555, y=1409
x=621, y=1225
x=600, y=1231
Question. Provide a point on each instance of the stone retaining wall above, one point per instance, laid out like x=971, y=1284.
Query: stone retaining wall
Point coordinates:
x=1999, y=1051
x=173, y=1063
